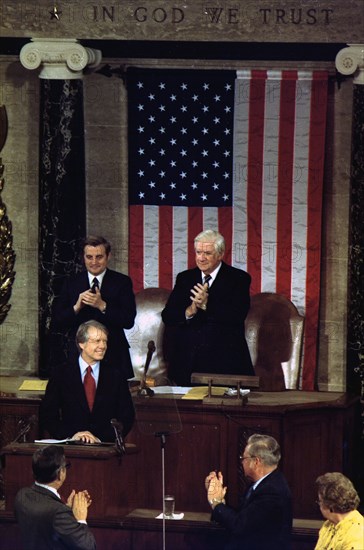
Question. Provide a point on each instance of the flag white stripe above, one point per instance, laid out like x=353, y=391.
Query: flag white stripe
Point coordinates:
x=300, y=188
x=180, y=238
x=270, y=184
x=240, y=173
x=210, y=218
x=151, y=246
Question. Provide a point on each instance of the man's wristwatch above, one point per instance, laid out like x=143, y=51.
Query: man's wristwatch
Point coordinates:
x=203, y=306
x=104, y=308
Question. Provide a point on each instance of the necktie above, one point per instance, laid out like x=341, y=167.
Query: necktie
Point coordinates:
x=206, y=279
x=248, y=493
x=90, y=387
x=95, y=285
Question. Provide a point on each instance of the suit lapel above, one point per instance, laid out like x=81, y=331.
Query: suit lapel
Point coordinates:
x=103, y=385
x=84, y=283
x=77, y=384
x=219, y=282
x=196, y=276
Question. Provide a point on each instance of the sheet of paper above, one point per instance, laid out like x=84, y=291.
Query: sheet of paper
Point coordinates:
x=175, y=390
x=199, y=392
x=33, y=385
x=52, y=441
x=175, y=516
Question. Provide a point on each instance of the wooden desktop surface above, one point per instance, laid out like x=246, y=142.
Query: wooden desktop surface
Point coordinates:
x=315, y=431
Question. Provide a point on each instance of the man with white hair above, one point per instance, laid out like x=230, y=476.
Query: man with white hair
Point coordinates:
x=205, y=314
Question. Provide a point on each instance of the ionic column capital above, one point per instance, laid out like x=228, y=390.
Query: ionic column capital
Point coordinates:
x=350, y=60
x=59, y=58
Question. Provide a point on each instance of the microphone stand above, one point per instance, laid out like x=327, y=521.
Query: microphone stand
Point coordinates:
x=25, y=428
x=162, y=436
x=120, y=446
x=145, y=390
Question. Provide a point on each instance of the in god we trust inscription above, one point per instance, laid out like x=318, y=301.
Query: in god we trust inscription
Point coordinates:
x=241, y=21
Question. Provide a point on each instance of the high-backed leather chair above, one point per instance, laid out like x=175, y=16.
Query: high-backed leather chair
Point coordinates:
x=149, y=326
x=274, y=332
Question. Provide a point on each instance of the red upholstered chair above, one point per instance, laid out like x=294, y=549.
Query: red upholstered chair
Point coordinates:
x=274, y=333
x=149, y=326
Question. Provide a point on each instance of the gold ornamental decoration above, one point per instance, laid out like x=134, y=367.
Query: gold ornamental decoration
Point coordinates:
x=7, y=255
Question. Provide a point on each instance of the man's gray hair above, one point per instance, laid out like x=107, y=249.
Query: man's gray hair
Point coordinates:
x=209, y=235
x=264, y=447
x=82, y=331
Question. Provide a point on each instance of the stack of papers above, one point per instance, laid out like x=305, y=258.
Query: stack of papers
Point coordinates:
x=33, y=385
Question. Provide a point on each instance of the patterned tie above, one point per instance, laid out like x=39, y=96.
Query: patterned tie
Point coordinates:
x=95, y=285
x=206, y=279
x=90, y=387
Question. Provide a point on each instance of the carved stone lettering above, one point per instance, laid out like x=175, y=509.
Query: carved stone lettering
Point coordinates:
x=195, y=20
x=159, y=15
x=229, y=16
x=296, y=16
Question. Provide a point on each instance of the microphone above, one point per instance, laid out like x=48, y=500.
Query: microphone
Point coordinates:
x=144, y=388
x=151, y=350
x=118, y=428
x=25, y=428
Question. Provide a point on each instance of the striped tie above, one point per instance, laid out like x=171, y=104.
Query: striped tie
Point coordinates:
x=206, y=279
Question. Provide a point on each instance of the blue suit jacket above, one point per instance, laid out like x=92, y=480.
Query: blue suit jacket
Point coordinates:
x=64, y=409
x=48, y=524
x=213, y=340
x=264, y=521
x=117, y=291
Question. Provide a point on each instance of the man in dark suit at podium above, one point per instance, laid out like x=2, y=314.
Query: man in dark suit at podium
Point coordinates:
x=101, y=294
x=85, y=394
x=45, y=521
x=206, y=312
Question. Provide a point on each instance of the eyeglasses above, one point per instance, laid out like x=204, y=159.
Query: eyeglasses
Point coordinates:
x=242, y=458
x=67, y=466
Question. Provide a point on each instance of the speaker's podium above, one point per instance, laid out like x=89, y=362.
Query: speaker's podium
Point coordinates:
x=109, y=477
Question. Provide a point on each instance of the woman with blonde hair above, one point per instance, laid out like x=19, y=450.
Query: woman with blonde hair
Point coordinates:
x=344, y=525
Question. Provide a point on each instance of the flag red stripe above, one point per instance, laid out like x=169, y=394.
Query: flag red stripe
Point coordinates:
x=165, y=268
x=226, y=229
x=195, y=226
x=136, y=246
x=314, y=219
x=255, y=174
x=285, y=183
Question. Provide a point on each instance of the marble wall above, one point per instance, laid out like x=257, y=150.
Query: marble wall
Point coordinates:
x=335, y=241
x=19, y=332
x=106, y=163
x=106, y=189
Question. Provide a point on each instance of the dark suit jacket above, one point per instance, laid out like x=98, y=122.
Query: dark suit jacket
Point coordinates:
x=64, y=410
x=117, y=291
x=48, y=524
x=213, y=340
x=264, y=522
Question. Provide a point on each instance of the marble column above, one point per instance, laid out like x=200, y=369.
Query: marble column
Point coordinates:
x=350, y=61
x=62, y=197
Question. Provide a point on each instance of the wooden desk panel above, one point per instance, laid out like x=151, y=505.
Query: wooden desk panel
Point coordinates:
x=316, y=431
x=111, y=481
x=139, y=530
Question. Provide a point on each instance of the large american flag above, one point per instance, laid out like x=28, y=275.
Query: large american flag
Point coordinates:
x=241, y=152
